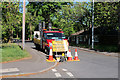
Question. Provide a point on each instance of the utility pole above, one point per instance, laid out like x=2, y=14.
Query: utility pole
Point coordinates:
x=23, y=29
x=93, y=25
x=119, y=32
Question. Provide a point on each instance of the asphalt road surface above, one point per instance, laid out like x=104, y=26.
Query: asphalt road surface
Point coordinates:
x=91, y=65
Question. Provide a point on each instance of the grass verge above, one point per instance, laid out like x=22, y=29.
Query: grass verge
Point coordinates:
x=102, y=48
x=11, y=52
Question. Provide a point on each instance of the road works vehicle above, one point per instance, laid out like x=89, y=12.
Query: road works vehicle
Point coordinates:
x=44, y=38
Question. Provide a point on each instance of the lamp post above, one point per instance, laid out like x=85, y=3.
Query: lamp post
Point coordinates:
x=93, y=25
x=23, y=29
x=119, y=33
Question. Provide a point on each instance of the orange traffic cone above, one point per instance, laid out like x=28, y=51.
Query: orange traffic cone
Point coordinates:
x=76, y=56
x=50, y=59
x=69, y=56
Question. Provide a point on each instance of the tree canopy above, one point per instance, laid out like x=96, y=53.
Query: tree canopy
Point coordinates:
x=106, y=14
x=69, y=16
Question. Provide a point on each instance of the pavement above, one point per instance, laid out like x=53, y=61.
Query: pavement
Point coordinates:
x=91, y=65
x=36, y=64
x=115, y=54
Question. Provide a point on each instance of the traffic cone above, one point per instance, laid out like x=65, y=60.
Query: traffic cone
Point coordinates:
x=76, y=56
x=69, y=56
x=50, y=59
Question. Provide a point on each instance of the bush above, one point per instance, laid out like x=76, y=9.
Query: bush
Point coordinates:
x=108, y=48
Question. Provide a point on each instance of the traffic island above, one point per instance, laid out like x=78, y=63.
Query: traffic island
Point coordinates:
x=11, y=52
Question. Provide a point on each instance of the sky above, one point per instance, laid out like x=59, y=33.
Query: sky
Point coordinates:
x=21, y=5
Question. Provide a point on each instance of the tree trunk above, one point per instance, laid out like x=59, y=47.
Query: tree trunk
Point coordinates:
x=31, y=35
x=30, y=31
x=47, y=21
x=11, y=37
x=89, y=36
x=86, y=26
x=17, y=35
x=89, y=40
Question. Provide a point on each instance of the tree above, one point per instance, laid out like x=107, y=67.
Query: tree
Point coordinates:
x=72, y=17
x=106, y=15
x=64, y=19
x=30, y=20
x=44, y=9
x=10, y=19
x=82, y=15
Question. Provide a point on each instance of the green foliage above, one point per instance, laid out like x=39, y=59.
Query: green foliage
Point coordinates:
x=106, y=15
x=11, y=19
x=62, y=15
x=70, y=17
x=63, y=20
x=66, y=17
x=43, y=10
x=109, y=48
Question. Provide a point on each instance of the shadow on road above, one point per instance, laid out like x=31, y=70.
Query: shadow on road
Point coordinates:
x=38, y=49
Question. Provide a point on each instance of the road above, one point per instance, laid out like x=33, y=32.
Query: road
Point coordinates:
x=91, y=65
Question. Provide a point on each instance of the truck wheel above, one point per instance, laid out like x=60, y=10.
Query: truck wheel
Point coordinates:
x=37, y=47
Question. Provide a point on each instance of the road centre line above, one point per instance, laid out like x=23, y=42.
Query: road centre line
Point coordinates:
x=54, y=70
x=58, y=75
x=70, y=74
x=9, y=70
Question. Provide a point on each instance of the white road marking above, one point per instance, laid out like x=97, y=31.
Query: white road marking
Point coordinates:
x=70, y=74
x=9, y=70
x=33, y=46
x=54, y=70
x=64, y=69
x=57, y=74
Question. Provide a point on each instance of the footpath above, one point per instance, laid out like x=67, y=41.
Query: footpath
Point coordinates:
x=98, y=52
x=37, y=64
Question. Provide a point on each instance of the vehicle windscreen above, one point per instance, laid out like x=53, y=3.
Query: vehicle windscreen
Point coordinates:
x=54, y=35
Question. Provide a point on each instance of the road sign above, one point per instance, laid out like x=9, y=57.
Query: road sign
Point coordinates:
x=60, y=46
